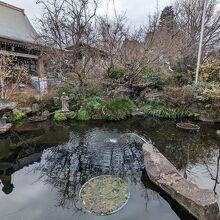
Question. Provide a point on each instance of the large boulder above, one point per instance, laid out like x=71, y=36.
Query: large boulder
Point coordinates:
x=201, y=203
x=218, y=133
x=6, y=106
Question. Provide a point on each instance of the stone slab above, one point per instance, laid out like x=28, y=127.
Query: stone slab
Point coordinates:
x=201, y=203
x=6, y=105
x=5, y=128
x=138, y=113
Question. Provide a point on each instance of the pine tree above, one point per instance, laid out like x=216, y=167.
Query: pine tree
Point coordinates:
x=167, y=18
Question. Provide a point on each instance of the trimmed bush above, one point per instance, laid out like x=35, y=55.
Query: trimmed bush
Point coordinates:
x=59, y=116
x=16, y=116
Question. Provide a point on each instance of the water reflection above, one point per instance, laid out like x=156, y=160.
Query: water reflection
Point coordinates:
x=67, y=167
x=64, y=157
x=7, y=184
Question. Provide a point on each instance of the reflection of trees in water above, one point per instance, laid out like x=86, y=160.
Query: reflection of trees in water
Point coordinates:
x=215, y=178
x=67, y=167
x=196, y=149
x=212, y=167
x=188, y=150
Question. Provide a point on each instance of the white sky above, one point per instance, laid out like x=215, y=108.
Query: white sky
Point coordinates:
x=136, y=10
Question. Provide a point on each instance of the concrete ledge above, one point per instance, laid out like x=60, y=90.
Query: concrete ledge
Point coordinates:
x=201, y=203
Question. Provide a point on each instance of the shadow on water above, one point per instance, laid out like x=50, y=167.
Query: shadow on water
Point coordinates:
x=63, y=157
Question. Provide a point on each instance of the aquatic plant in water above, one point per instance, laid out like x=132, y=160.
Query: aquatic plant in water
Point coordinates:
x=104, y=195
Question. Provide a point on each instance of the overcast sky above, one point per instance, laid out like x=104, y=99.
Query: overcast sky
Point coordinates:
x=136, y=10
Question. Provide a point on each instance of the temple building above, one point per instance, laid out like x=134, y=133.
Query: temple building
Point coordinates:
x=18, y=38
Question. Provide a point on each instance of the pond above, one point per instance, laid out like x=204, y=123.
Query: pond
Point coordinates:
x=44, y=165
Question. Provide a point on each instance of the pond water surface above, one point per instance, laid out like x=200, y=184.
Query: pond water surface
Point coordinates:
x=44, y=165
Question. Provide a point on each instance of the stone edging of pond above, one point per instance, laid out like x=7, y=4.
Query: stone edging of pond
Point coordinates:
x=201, y=203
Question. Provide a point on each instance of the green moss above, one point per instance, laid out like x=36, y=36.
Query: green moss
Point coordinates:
x=16, y=116
x=59, y=116
x=83, y=115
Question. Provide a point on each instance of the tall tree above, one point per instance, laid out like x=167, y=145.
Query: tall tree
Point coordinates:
x=167, y=18
x=66, y=29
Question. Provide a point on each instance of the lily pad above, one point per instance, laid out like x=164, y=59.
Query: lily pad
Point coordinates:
x=104, y=195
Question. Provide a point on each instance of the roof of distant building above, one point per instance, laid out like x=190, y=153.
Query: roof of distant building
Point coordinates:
x=15, y=25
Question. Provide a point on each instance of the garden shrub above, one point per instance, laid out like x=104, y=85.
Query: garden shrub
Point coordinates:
x=22, y=100
x=117, y=72
x=207, y=85
x=210, y=70
x=112, y=109
x=179, y=96
x=59, y=116
x=117, y=109
x=46, y=102
x=154, y=79
x=209, y=99
x=94, y=107
x=74, y=94
x=78, y=95
x=94, y=88
x=82, y=115
x=16, y=116
x=160, y=110
x=181, y=78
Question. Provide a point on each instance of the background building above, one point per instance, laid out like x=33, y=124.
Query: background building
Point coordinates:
x=18, y=38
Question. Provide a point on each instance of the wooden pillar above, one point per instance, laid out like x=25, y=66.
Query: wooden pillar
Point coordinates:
x=40, y=67
x=42, y=75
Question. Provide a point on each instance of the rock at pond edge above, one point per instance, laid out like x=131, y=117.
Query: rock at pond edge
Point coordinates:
x=201, y=203
x=5, y=128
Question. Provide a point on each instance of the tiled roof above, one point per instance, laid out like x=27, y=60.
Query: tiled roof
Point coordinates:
x=15, y=25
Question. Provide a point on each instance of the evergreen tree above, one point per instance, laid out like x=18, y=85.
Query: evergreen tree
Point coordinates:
x=167, y=18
